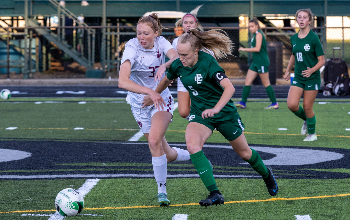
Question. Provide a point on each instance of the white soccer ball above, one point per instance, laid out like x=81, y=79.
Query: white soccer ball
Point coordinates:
x=5, y=94
x=69, y=202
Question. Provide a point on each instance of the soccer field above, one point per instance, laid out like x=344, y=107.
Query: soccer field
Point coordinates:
x=51, y=144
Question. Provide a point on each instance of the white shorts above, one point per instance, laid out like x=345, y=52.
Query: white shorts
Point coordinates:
x=180, y=86
x=143, y=115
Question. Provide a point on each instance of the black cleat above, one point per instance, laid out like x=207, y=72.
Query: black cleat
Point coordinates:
x=213, y=198
x=271, y=183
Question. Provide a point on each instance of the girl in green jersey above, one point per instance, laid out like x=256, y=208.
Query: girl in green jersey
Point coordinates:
x=308, y=58
x=211, y=106
x=259, y=66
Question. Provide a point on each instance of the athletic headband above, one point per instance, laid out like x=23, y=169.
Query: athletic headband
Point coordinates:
x=191, y=16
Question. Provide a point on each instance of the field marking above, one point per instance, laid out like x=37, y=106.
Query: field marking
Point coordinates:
x=139, y=134
x=193, y=204
x=303, y=217
x=180, y=217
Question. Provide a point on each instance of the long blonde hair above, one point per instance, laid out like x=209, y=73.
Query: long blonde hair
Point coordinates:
x=213, y=40
x=193, y=13
x=153, y=21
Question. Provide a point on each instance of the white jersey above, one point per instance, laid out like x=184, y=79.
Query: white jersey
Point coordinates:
x=144, y=65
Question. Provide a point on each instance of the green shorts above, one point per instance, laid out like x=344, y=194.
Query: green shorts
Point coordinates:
x=231, y=129
x=307, y=85
x=259, y=69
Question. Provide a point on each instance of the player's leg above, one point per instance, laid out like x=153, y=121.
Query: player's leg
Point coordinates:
x=240, y=146
x=269, y=90
x=159, y=123
x=183, y=99
x=174, y=153
x=294, y=96
x=196, y=135
x=251, y=75
x=308, y=102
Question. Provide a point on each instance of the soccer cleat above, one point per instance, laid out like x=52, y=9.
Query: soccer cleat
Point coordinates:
x=163, y=199
x=311, y=137
x=84, y=3
x=214, y=198
x=240, y=105
x=271, y=183
x=304, y=129
x=272, y=106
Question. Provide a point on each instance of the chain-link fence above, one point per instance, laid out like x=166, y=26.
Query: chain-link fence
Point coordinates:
x=73, y=50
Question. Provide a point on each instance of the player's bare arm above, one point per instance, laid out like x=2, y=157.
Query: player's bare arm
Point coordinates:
x=307, y=73
x=172, y=55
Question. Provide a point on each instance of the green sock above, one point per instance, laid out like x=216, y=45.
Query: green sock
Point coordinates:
x=300, y=113
x=311, y=124
x=245, y=93
x=258, y=165
x=271, y=94
x=202, y=165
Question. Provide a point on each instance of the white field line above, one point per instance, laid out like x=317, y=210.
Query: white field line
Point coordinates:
x=303, y=217
x=180, y=217
x=139, y=134
x=75, y=176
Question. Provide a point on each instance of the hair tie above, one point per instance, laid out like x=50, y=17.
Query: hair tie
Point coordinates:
x=152, y=17
x=189, y=31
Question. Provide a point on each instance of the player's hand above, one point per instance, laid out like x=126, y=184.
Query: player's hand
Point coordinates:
x=159, y=74
x=241, y=49
x=286, y=76
x=147, y=101
x=209, y=113
x=157, y=99
x=306, y=73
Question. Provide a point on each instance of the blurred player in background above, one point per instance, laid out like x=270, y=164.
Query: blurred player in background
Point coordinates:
x=259, y=66
x=308, y=58
x=142, y=58
x=211, y=106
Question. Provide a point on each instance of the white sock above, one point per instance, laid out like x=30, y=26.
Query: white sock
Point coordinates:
x=160, y=172
x=182, y=155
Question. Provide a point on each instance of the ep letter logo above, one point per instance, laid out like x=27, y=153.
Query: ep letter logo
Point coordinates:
x=198, y=78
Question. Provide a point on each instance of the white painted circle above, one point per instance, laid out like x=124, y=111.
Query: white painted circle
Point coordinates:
x=10, y=155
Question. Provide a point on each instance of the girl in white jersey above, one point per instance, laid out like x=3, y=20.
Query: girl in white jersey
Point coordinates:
x=142, y=58
x=188, y=21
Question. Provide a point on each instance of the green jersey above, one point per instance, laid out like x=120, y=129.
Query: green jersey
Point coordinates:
x=202, y=86
x=306, y=51
x=260, y=58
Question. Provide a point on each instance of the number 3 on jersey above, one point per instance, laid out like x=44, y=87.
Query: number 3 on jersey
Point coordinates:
x=153, y=70
x=299, y=57
x=194, y=92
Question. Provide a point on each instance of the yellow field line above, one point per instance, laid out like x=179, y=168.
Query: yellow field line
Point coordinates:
x=182, y=131
x=192, y=204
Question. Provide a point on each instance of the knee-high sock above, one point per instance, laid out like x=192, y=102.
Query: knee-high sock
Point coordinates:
x=258, y=165
x=202, y=165
x=245, y=93
x=311, y=125
x=182, y=155
x=300, y=113
x=160, y=172
x=271, y=94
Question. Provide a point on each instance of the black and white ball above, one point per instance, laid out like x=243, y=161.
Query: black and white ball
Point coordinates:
x=5, y=94
x=69, y=202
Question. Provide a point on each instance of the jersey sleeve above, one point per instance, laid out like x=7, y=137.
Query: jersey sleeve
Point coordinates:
x=214, y=68
x=172, y=71
x=165, y=44
x=318, y=47
x=129, y=53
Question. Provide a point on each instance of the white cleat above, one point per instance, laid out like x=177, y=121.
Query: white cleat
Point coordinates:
x=304, y=129
x=84, y=3
x=311, y=137
x=63, y=4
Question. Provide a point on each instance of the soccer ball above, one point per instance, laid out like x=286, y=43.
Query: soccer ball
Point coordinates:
x=69, y=202
x=5, y=94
